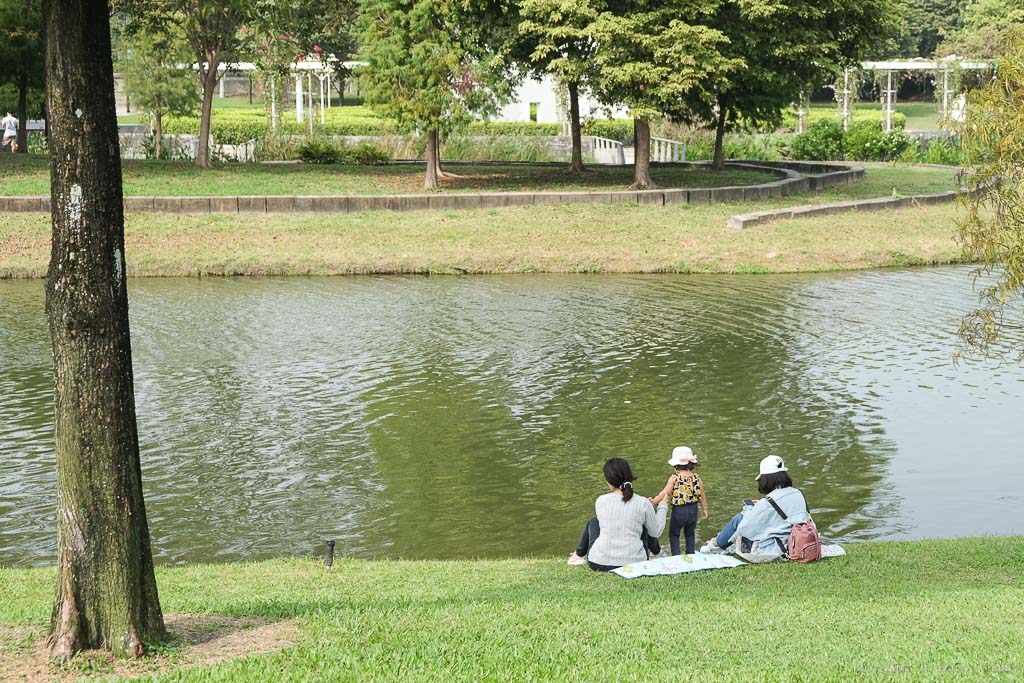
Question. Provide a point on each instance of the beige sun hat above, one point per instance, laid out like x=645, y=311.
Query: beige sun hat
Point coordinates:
x=682, y=455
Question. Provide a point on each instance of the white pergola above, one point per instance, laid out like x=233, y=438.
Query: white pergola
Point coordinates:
x=939, y=66
x=304, y=70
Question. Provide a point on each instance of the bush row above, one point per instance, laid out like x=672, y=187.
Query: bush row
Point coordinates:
x=237, y=126
x=327, y=150
x=813, y=116
x=866, y=141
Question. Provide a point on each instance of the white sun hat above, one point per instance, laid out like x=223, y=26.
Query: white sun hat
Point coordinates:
x=771, y=465
x=682, y=455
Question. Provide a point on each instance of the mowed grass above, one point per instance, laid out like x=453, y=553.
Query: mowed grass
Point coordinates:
x=911, y=611
x=24, y=175
x=572, y=238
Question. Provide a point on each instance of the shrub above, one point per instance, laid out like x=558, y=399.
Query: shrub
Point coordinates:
x=326, y=151
x=823, y=142
x=866, y=141
x=276, y=148
x=319, y=152
x=366, y=154
x=939, y=151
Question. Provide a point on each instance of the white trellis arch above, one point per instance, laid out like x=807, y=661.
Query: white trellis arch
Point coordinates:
x=942, y=68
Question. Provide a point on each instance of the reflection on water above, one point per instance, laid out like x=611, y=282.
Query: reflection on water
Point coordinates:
x=464, y=417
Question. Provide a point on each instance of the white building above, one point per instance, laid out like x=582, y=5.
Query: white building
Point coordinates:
x=542, y=102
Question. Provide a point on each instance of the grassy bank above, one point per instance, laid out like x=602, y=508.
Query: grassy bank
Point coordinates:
x=573, y=238
x=23, y=175
x=887, y=611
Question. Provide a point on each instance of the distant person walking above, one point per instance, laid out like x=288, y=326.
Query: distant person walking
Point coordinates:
x=10, y=126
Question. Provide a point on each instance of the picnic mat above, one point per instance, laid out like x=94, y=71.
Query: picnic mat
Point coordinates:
x=678, y=564
x=684, y=564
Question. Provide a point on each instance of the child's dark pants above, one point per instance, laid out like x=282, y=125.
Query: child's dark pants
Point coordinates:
x=684, y=518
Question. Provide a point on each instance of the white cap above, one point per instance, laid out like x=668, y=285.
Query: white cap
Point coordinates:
x=771, y=465
x=682, y=455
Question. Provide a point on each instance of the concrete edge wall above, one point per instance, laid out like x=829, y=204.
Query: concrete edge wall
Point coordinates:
x=789, y=182
x=747, y=220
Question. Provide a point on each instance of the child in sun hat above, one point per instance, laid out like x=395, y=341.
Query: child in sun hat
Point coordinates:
x=686, y=489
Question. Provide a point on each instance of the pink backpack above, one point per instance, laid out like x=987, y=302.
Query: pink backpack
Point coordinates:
x=804, y=541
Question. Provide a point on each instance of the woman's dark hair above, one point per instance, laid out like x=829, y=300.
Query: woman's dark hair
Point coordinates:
x=618, y=473
x=767, y=483
x=687, y=466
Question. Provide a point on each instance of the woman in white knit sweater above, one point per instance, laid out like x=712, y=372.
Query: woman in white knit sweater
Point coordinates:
x=620, y=533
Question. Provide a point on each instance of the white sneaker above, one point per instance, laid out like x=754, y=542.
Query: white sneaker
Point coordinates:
x=575, y=559
x=710, y=548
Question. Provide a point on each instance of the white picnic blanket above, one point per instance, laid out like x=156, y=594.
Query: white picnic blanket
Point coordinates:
x=683, y=564
x=677, y=564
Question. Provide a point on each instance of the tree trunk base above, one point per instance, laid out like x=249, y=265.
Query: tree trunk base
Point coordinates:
x=639, y=185
x=576, y=169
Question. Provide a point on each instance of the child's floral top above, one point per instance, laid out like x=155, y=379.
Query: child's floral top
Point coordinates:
x=687, y=489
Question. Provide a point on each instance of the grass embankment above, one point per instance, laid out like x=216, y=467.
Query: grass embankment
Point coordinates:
x=887, y=611
x=24, y=175
x=574, y=238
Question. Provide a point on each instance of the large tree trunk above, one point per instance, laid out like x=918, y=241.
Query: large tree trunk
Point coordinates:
x=642, y=155
x=209, y=82
x=106, y=591
x=576, y=164
x=433, y=163
x=718, y=163
x=23, y=110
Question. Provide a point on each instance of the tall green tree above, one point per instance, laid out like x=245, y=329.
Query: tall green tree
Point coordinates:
x=106, y=590
x=784, y=48
x=984, y=28
x=212, y=29
x=563, y=47
x=992, y=225
x=920, y=26
x=652, y=55
x=427, y=70
x=21, y=57
x=155, y=80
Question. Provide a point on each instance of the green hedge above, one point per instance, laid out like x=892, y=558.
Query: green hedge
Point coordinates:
x=614, y=129
x=815, y=114
x=236, y=126
x=517, y=128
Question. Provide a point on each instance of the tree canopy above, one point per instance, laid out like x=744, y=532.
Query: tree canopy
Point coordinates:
x=992, y=228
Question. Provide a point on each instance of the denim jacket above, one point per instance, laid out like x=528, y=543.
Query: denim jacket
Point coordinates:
x=762, y=524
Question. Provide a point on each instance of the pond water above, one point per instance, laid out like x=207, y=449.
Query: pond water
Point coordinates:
x=450, y=417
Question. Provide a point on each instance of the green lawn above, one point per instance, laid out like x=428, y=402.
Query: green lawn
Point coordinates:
x=913, y=611
x=570, y=238
x=27, y=175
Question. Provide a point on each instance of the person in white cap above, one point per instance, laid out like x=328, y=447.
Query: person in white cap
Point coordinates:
x=686, y=489
x=760, y=532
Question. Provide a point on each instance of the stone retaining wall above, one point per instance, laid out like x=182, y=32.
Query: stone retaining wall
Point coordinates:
x=793, y=178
